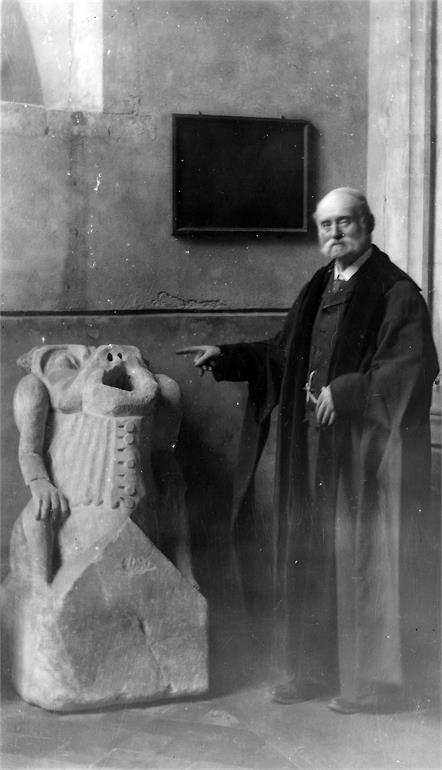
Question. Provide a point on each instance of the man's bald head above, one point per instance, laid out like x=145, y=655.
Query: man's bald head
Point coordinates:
x=353, y=197
x=344, y=223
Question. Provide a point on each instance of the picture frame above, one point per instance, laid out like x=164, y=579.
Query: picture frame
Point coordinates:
x=240, y=174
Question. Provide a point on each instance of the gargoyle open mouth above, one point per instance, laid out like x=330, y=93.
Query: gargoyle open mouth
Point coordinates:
x=117, y=377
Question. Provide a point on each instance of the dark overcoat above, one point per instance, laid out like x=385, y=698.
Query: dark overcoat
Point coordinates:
x=339, y=558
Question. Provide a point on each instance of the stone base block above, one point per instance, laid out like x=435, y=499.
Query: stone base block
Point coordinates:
x=118, y=625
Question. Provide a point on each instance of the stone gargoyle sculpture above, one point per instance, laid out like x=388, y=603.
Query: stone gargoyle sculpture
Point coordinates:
x=94, y=610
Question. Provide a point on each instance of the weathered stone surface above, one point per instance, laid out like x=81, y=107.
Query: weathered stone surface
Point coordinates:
x=124, y=626
x=93, y=612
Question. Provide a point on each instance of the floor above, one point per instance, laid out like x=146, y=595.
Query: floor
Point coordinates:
x=236, y=725
x=240, y=729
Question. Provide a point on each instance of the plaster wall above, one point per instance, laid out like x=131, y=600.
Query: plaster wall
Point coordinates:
x=91, y=224
x=87, y=200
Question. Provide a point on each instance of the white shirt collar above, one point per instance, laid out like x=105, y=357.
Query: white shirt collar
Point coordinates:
x=354, y=267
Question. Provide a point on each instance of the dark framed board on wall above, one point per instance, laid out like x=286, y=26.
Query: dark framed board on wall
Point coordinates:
x=236, y=174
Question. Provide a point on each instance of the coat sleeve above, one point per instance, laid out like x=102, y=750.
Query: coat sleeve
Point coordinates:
x=396, y=384
x=261, y=364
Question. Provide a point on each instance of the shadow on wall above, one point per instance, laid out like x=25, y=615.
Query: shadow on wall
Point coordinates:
x=20, y=80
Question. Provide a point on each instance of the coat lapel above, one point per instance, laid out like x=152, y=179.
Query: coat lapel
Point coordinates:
x=363, y=315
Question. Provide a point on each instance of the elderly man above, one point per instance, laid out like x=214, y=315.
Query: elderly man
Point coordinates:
x=352, y=370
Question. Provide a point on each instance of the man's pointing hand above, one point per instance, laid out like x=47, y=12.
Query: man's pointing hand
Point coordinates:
x=204, y=355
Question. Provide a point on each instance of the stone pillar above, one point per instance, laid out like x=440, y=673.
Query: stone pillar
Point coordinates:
x=437, y=222
x=404, y=175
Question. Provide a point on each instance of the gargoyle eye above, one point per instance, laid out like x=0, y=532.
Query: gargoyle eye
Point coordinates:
x=119, y=355
x=110, y=357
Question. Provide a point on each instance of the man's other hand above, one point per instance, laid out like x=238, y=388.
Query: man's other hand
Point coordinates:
x=325, y=410
x=204, y=355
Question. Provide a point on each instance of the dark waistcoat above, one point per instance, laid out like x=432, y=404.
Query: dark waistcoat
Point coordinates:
x=325, y=331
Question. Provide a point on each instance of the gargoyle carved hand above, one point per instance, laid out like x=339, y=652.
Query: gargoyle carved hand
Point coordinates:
x=51, y=506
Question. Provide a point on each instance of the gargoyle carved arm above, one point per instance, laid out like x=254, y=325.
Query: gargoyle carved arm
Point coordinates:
x=31, y=409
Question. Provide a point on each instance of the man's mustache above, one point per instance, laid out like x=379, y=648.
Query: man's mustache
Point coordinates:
x=335, y=241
